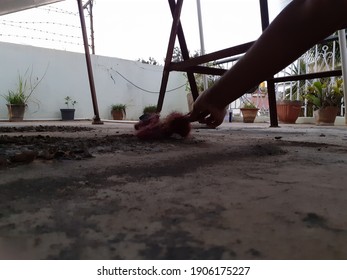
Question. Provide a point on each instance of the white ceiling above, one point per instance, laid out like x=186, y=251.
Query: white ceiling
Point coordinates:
x=11, y=6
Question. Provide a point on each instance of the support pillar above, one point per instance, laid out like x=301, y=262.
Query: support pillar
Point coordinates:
x=96, y=118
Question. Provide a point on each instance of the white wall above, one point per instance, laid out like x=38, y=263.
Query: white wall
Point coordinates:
x=66, y=74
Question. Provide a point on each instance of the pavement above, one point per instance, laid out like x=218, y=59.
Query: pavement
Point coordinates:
x=241, y=191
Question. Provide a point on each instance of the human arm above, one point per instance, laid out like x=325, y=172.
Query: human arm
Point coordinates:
x=298, y=27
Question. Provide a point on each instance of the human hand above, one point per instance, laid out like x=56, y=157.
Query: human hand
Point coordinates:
x=206, y=112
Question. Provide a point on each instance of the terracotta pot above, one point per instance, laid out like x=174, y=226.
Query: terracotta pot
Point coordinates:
x=16, y=112
x=288, y=111
x=67, y=114
x=249, y=114
x=118, y=114
x=326, y=115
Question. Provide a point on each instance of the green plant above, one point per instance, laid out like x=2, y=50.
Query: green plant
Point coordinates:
x=150, y=109
x=25, y=89
x=118, y=107
x=322, y=95
x=15, y=98
x=291, y=97
x=18, y=96
x=69, y=101
x=248, y=105
x=150, y=60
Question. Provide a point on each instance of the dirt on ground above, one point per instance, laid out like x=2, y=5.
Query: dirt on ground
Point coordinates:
x=242, y=191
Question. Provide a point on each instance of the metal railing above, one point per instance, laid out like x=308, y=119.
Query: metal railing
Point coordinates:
x=322, y=61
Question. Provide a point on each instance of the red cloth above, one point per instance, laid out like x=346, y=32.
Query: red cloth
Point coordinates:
x=152, y=128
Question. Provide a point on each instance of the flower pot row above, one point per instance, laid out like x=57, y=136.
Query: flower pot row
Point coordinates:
x=289, y=111
x=16, y=113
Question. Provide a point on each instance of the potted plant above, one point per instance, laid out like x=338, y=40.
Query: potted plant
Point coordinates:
x=150, y=109
x=17, y=99
x=326, y=100
x=16, y=103
x=288, y=110
x=118, y=111
x=68, y=114
x=249, y=111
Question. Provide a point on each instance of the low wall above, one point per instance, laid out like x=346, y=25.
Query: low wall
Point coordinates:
x=65, y=74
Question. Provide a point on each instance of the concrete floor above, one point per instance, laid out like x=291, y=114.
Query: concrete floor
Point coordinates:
x=242, y=191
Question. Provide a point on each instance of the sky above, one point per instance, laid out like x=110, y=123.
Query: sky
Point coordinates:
x=137, y=29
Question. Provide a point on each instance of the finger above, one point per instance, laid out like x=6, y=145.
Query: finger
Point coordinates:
x=211, y=122
x=193, y=116
x=203, y=116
